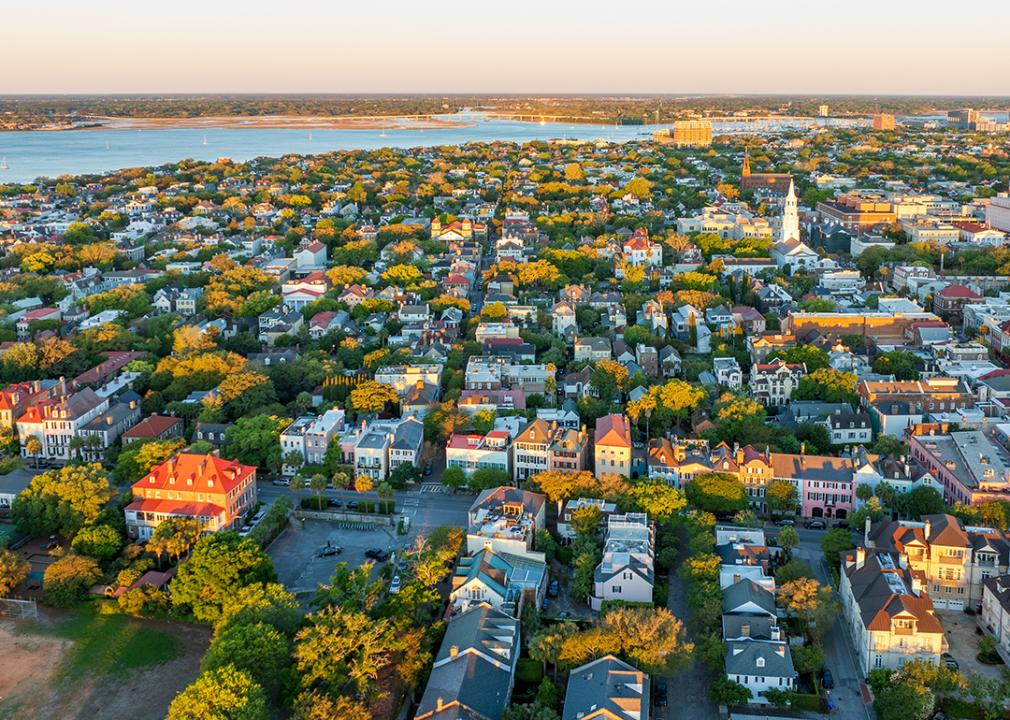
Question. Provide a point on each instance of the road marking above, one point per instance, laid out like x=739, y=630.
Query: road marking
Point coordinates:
x=432, y=488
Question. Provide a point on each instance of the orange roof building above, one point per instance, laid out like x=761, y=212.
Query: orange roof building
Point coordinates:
x=215, y=491
x=612, y=445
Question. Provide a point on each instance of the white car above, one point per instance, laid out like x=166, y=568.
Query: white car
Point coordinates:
x=394, y=587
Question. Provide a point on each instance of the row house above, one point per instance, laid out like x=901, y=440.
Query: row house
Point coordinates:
x=103, y=430
x=56, y=421
x=16, y=398
x=473, y=452
x=965, y=463
x=378, y=447
x=309, y=437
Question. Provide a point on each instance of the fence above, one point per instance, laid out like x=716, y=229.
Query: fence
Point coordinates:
x=19, y=609
x=363, y=521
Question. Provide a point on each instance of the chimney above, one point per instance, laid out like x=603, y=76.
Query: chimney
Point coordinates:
x=860, y=558
x=454, y=651
x=866, y=531
x=916, y=586
x=927, y=529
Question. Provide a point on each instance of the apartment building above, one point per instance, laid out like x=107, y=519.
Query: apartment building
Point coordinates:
x=475, y=452
x=506, y=519
x=55, y=421
x=965, y=463
x=310, y=436
x=216, y=492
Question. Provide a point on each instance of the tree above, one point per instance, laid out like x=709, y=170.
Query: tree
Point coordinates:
x=661, y=501
x=608, y=378
x=781, y=497
x=62, y=501
x=483, y=421
x=453, y=477
x=268, y=603
x=813, y=604
x=317, y=485
x=242, y=392
x=364, y=483
x=727, y=692
x=827, y=385
x=136, y=460
x=864, y=492
x=67, y=579
x=33, y=446
x=586, y=520
x=901, y=364
x=808, y=658
x=834, y=543
x=372, y=397
x=313, y=706
x=810, y=355
x=13, y=571
x=176, y=536
x=903, y=701
x=788, y=539
x=219, y=566
x=258, y=649
x=255, y=441
x=922, y=501
x=718, y=493
x=341, y=650
x=224, y=693
x=101, y=542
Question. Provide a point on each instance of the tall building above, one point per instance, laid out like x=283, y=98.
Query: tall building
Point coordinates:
x=966, y=118
x=692, y=132
x=822, y=110
x=790, y=229
x=883, y=121
x=997, y=212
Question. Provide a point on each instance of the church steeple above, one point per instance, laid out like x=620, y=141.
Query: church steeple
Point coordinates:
x=745, y=171
x=790, y=228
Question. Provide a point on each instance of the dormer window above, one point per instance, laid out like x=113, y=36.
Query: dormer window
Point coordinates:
x=760, y=662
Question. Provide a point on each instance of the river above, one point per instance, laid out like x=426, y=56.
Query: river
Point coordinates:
x=32, y=154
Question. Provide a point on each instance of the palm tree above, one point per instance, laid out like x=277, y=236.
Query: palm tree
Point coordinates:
x=75, y=445
x=33, y=446
x=317, y=484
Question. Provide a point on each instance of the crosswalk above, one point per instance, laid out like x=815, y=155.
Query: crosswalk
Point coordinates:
x=432, y=488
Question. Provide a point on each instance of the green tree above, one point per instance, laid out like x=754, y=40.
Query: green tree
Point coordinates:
x=903, y=701
x=101, y=542
x=224, y=693
x=808, y=658
x=258, y=649
x=255, y=441
x=661, y=501
x=922, y=501
x=788, y=539
x=453, y=477
x=781, y=497
x=810, y=355
x=372, y=397
x=827, y=385
x=219, y=566
x=834, y=543
x=718, y=493
x=902, y=365
x=586, y=520
x=727, y=692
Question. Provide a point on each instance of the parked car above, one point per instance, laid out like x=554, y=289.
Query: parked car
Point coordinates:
x=394, y=586
x=950, y=662
x=329, y=551
x=659, y=694
x=552, y=589
x=53, y=543
x=826, y=680
x=428, y=468
x=545, y=605
x=786, y=522
x=352, y=504
x=815, y=524
x=334, y=502
x=377, y=554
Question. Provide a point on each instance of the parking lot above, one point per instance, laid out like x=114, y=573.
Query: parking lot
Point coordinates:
x=963, y=641
x=295, y=552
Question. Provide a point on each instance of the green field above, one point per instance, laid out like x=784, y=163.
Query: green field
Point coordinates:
x=107, y=644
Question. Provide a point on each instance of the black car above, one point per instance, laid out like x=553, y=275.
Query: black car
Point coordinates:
x=428, y=468
x=659, y=694
x=377, y=554
x=329, y=551
x=826, y=680
x=552, y=589
x=334, y=502
x=352, y=504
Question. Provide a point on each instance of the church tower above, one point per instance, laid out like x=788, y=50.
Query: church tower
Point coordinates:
x=790, y=228
x=745, y=170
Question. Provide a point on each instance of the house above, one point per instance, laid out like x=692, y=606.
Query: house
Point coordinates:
x=542, y=446
x=214, y=433
x=101, y=432
x=950, y=301
x=592, y=348
x=760, y=665
x=27, y=321
x=966, y=464
x=605, y=507
x=727, y=372
x=214, y=491
x=499, y=579
x=476, y=452
x=404, y=377
x=626, y=571
x=310, y=255
x=155, y=427
x=474, y=670
x=796, y=255
x=563, y=318
x=995, y=616
x=607, y=689
x=888, y=615
x=849, y=428
x=405, y=448
x=16, y=398
x=506, y=520
x=612, y=445
x=55, y=421
x=752, y=322
x=772, y=384
x=639, y=250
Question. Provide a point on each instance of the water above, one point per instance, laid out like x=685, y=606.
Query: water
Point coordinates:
x=30, y=155
x=75, y=152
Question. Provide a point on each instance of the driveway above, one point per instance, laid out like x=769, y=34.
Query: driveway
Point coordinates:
x=963, y=641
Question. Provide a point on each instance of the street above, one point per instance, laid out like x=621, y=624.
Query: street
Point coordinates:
x=839, y=656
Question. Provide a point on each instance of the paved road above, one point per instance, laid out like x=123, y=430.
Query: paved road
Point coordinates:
x=840, y=657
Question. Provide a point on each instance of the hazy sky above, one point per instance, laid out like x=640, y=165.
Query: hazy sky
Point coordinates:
x=715, y=46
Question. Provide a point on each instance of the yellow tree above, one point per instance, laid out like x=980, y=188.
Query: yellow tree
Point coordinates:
x=371, y=396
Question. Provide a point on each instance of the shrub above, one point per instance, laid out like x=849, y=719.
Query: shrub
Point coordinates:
x=312, y=503
x=68, y=579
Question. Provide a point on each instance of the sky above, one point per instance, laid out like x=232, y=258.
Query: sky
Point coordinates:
x=518, y=46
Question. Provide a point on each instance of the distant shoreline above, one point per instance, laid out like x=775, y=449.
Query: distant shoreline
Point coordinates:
x=256, y=122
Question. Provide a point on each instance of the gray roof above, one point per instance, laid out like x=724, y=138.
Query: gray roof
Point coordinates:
x=472, y=674
x=745, y=591
x=610, y=684
x=742, y=658
x=408, y=435
x=758, y=627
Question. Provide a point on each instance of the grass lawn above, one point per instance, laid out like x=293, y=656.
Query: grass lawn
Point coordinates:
x=107, y=644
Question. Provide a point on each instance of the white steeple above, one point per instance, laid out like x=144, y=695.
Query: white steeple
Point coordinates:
x=790, y=226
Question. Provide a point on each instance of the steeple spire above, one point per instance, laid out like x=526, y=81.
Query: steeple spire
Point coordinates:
x=745, y=171
x=790, y=228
